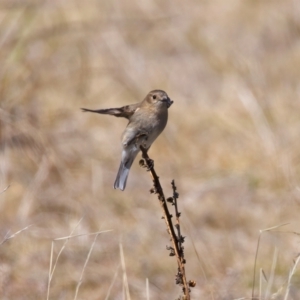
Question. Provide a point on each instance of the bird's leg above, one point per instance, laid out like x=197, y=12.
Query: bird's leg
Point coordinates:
x=140, y=142
x=149, y=162
x=141, y=138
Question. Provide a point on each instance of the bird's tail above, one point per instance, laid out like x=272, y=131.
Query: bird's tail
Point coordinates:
x=121, y=179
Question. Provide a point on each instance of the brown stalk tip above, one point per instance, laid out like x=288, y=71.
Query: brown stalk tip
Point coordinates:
x=192, y=283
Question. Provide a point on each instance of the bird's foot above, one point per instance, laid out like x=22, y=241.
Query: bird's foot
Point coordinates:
x=141, y=139
x=150, y=164
x=142, y=163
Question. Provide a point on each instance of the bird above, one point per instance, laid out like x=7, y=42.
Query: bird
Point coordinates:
x=147, y=119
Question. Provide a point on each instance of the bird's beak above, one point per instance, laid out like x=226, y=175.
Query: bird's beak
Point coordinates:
x=168, y=101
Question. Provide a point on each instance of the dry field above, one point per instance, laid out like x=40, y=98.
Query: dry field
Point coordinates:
x=232, y=145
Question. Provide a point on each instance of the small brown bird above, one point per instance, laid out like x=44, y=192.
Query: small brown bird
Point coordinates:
x=147, y=119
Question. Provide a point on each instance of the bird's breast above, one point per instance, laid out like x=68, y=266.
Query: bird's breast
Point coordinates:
x=148, y=122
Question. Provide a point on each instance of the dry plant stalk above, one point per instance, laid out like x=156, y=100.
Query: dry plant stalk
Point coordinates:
x=177, y=248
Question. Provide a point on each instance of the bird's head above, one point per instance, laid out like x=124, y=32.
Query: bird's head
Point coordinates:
x=159, y=98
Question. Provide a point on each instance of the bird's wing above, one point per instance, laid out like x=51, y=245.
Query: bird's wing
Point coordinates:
x=124, y=111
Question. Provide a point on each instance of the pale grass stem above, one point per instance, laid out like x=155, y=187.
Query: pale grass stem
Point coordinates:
x=85, y=264
x=5, y=189
x=260, y=282
x=66, y=239
x=257, y=248
x=51, y=270
x=125, y=280
x=14, y=234
x=112, y=283
x=271, y=279
x=292, y=272
x=147, y=289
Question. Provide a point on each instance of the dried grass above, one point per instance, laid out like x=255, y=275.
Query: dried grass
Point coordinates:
x=232, y=144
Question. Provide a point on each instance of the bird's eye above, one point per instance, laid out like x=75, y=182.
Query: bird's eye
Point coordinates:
x=154, y=97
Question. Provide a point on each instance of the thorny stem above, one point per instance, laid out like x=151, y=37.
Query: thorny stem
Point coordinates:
x=176, y=240
x=174, y=202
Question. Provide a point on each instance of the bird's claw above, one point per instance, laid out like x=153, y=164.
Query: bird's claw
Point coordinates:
x=141, y=139
x=150, y=164
x=142, y=163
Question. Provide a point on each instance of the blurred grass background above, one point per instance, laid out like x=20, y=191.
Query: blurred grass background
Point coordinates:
x=231, y=144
